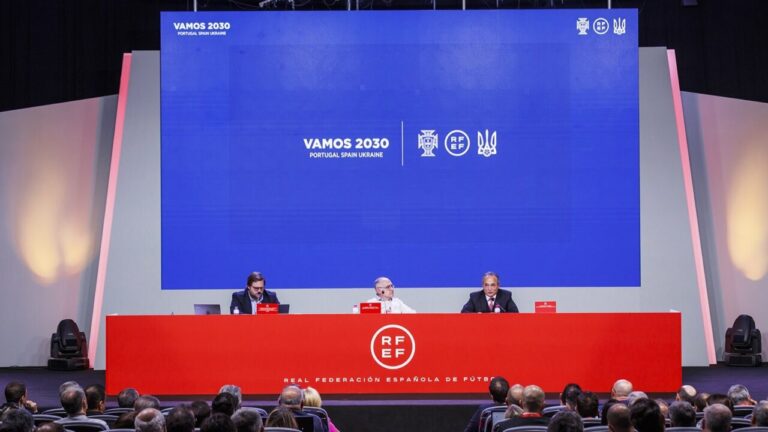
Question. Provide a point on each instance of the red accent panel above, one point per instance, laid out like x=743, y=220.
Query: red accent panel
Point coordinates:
x=435, y=353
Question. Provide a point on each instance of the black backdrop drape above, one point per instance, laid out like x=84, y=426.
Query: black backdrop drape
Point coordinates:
x=59, y=50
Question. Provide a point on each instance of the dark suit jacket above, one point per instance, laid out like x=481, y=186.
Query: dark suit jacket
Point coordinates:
x=477, y=302
x=474, y=422
x=520, y=421
x=243, y=301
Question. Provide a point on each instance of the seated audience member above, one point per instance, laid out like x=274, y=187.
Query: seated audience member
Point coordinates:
x=515, y=395
x=618, y=418
x=74, y=404
x=760, y=414
x=224, y=403
x=621, y=390
x=149, y=420
x=246, y=420
x=127, y=397
x=96, y=397
x=16, y=398
x=385, y=293
x=646, y=416
x=682, y=414
x=292, y=397
x=312, y=399
x=53, y=427
x=254, y=293
x=490, y=297
x=533, y=404
x=664, y=407
x=739, y=396
x=566, y=421
x=218, y=422
x=717, y=418
x=126, y=420
x=234, y=391
x=146, y=401
x=512, y=411
x=202, y=411
x=498, y=388
x=281, y=417
x=604, y=413
x=568, y=397
x=180, y=419
x=635, y=395
x=587, y=405
x=686, y=393
x=17, y=420
x=719, y=398
x=700, y=401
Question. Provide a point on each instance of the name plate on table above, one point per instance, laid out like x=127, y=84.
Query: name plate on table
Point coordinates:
x=370, y=308
x=267, y=308
x=545, y=306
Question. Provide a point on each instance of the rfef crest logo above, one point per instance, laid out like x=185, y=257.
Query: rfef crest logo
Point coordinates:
x=393, y=346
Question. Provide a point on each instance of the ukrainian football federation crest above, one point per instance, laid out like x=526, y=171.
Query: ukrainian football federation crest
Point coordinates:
x=427, y=143
x=620, y=26
x=582, y=25
x=486, y=145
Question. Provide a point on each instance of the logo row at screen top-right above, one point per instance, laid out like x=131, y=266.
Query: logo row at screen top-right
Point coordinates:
x=601, y=26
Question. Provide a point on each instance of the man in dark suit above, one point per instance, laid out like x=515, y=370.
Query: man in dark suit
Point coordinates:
x=254, y=293
x=490, y=298
x=292, y=397
x=533, y=404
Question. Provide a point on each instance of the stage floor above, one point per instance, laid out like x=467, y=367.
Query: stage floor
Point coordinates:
x=373, y=413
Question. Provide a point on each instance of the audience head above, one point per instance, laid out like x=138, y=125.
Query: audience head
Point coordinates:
x=125, y=421
x=739, y=395
x=565, y=421
x=760, y=414
x=66, y=385
x=56, y=427
x=180, y=419
x=717, y=418
x=499, y=387
x=246, y=420
x=201, y=410
x=312, y=398
x=533, y=399
x=686, y=393
x=149, y=420
x=587, y=405
x=234, y=391
x=281, y=417
x=700, y=401
x=571, y=391
x=224, y=403
x=18, y=420
x=621, y=389
x=618, y=418
x=127, y=397
x=682, y=414
x=146, y=401
x=515, y=395
x=96, y=397
x=73, y=401
x=719, y=398
x=291, y=397
x=15, y=392
x=664, y=407
x=635, y=395
x=607, y=406
x=646, y=416
x=218, y=422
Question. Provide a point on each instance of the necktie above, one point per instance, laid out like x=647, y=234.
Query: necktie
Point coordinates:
x=491, y=302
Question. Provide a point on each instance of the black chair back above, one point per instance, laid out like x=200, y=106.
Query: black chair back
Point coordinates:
x=44, y=418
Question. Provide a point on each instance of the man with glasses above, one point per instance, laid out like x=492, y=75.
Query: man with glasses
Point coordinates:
x=244, y=302
x=385, y=293
x=491, y=298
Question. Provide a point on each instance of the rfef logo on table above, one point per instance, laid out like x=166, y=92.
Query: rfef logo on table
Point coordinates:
x=393, y=346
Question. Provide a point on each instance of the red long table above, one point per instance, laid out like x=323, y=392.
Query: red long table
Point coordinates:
x=378, y=354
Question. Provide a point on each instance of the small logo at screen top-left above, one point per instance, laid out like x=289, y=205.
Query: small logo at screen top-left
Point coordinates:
x=393, y=346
